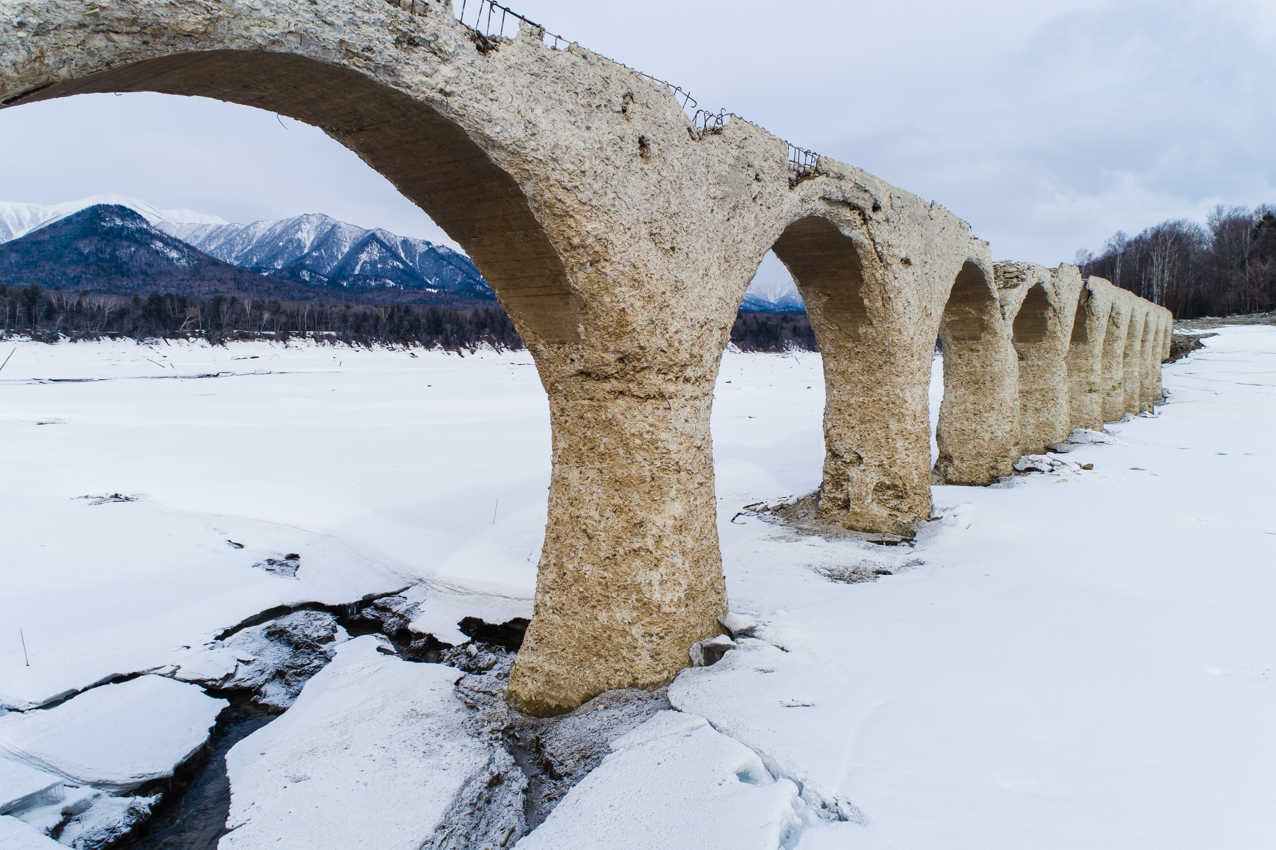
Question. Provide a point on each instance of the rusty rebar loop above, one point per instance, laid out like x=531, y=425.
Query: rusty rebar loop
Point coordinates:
x=802, y=160
x=711, y=122
x=485, y=12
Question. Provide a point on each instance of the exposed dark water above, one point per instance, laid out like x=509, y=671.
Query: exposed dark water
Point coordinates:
x=192, y=816
x=196, y=803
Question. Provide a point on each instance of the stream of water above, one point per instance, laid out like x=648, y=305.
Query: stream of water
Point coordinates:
x=193, y=815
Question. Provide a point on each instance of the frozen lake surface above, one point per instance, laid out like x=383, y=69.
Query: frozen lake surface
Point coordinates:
x=1061, y=661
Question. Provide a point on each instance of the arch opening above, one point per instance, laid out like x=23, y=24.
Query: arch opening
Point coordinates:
x=425, y=155
x=772, y=317
x=1033, y=322
x=1132, y=365
x=1043, y=384
x=827, y=270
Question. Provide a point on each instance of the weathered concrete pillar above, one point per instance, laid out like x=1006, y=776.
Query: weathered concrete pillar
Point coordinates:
x=978, y=431
x=1114, y=356
x=1166, y=326
x=1085, y=355
x=1040, y=304
x=1133, y=368
x=1152, y=356
x=630, y=575
x=1151, y=359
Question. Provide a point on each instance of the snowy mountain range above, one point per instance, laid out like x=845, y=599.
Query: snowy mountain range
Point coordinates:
x=318, y=251
x=112, y=249
x=314, y=251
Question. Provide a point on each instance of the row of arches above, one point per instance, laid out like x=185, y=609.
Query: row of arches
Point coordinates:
x=620, y=238
x=1029, y=354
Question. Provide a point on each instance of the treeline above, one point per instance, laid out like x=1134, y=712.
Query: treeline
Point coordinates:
x=55, y=313
x=773, y=332
x=1225, y=267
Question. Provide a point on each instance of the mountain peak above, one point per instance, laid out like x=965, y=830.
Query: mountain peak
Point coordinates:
x=19, y=219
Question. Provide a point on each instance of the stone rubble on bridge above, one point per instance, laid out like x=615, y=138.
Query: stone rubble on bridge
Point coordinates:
x=621, y=238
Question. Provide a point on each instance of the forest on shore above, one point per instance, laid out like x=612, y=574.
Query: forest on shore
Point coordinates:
x=56, y=314
x=1225, y=267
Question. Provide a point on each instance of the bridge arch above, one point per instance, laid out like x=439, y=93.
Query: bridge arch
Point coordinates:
x=429, y=158
x=1150, y=365
x=978, y=427
x=1085, y=354
x=621, y=239
x=875, y=476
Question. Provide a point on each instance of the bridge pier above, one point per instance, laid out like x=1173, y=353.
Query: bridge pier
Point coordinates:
x=1114, y=356
x=630, y=575
x=1085, y=355
x=1132, y=367
x=876, y=475
x=1152, y=358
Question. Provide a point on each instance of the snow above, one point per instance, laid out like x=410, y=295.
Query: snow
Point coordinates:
x=1081, y=660
x=22, y=785
x=443, y=606
x=16, y=835
x=374, y=746
x=115, y=737
x=106, y=820
x=379, y=469
x=679, y=778
x=1063, y=660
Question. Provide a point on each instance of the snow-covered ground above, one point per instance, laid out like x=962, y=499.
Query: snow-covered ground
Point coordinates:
x=1080, y=667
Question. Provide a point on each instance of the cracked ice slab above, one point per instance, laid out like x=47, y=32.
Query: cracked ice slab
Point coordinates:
x=373, y=746
x=16, y=835
x=674, y=781
x=115, y=737
x=21, y=784
x=138, y=580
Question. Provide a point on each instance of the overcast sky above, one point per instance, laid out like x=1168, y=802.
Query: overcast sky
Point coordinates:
x=1047, y=126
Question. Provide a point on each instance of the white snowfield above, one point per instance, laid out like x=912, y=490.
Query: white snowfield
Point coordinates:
x=1069, y=659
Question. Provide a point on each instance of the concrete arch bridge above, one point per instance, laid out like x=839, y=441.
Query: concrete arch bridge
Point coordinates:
x=621, y=237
